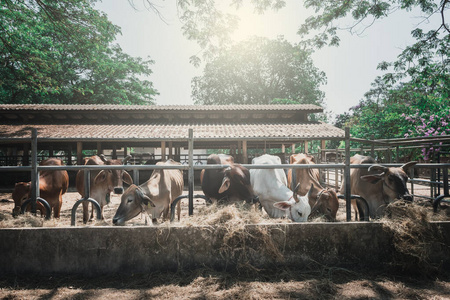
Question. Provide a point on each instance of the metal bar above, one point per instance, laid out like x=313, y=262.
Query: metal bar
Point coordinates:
x=191, y=172
x=87, y=183
x=348, y=191
x=34, y=171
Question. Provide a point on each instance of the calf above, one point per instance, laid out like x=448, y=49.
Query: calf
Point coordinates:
x=378, y=185
x=228, y=185
x=52, y=185
x=153, y=196
x=323, y=201
x=276, y=198
x=102, y=182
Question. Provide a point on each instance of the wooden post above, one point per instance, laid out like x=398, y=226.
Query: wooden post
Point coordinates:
x=191, y=172
x=170, y=150
x=348, y=191
x=79, y=153
x=306, y=147
x=293, y=148
x=69, y=156
x=114, y=152
x=99, y=148
x=163, y=151
x=244, y=152
x=50, y=151
x=26, y=155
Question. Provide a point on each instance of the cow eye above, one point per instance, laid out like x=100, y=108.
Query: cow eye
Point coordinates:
x=130, y=200
x=300, y=213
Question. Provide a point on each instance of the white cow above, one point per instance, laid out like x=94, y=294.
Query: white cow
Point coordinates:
x=276, y=198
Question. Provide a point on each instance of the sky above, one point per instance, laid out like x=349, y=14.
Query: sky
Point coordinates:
x=350, y=68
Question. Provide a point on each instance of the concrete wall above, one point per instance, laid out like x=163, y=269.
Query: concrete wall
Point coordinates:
x=107, y=250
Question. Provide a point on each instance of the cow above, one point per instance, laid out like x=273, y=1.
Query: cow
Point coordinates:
x=377, y=184
x=227, y=185
x=102, y=182
x=153, y=196
x=275, y=197
x=321, y=200
x=52, y=185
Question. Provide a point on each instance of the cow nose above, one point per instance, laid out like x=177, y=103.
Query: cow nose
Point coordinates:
x=118, y=190
x=408, y=197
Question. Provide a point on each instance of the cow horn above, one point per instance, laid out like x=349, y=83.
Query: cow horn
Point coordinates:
x=310, y=190
x=408, y=165
x=295, y=194
x=102, y=157
x=126, y=159
x=378, y=168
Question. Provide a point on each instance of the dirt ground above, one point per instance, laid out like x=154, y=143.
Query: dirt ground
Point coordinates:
x=316, y=282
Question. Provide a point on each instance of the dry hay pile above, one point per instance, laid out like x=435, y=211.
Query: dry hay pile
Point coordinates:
x=241, y=244
x=417, y=240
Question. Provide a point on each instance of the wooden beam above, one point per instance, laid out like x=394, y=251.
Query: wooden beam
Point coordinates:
x=80, y=153
x=170, y=150
x=99, y=148
x=163, y=151
x=244, y=152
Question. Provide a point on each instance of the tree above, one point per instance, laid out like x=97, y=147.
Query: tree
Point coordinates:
x=258, y=71
x=62, y=52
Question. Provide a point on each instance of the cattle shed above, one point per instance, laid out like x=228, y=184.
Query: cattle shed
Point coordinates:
x=68, y=130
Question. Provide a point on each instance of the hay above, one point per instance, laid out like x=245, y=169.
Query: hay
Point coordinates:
x=415, y=238
x=240, y=244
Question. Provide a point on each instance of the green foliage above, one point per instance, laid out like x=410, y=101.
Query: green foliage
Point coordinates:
x=62, y=52
x=257, y=71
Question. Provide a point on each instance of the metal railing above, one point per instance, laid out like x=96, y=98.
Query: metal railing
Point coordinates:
x=35, y=169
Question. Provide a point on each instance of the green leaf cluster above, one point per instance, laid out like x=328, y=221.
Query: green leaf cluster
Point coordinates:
x=62, y=52
x=257, y=71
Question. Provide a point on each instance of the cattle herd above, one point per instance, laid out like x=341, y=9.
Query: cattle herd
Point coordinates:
x=296, y=194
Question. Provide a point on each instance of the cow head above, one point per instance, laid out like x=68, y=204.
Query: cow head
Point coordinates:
x=21, y=193
x=297, y=206
x=113, y=179
x=394, y=180
x=236, y=182
x=326, y=203
x=132, y=203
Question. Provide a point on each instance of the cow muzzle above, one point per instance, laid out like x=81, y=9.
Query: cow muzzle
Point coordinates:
x=407, y=197
x=118, y=190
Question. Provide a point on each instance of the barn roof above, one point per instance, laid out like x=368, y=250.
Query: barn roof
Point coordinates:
x=153, y=123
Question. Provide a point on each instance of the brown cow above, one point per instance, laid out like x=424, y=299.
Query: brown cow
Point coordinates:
x=153, y=196
x=52, y=185
x=321, y=200
x=378, y=185
x=228, y=185
x=102, y=182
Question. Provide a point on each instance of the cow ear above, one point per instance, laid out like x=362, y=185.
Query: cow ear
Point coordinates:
x=127, y=178
x=225, y=185
x=283, y=205
x=101, y=176
x=372, y=178
x=145, y=199
x=408, y=165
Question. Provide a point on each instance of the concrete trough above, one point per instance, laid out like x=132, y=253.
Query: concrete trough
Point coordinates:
x=92, y=251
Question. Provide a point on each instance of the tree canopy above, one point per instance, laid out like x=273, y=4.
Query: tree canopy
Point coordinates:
x=257, y=71
x=63, y=52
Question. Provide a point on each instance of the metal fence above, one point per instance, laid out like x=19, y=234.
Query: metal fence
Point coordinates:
x=192, y=166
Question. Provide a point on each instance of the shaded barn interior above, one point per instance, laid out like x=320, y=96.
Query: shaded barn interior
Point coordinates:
x=73, y=132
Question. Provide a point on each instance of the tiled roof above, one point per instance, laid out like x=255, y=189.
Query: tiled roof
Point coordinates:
x=167, y=131
x=111, y=107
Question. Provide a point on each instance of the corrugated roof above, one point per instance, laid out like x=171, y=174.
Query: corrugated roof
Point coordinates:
x=167, y=131
x=111, y=107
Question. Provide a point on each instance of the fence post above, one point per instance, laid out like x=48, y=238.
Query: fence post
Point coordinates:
x=34, y=172
x=191, y=172
x=348, y=192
